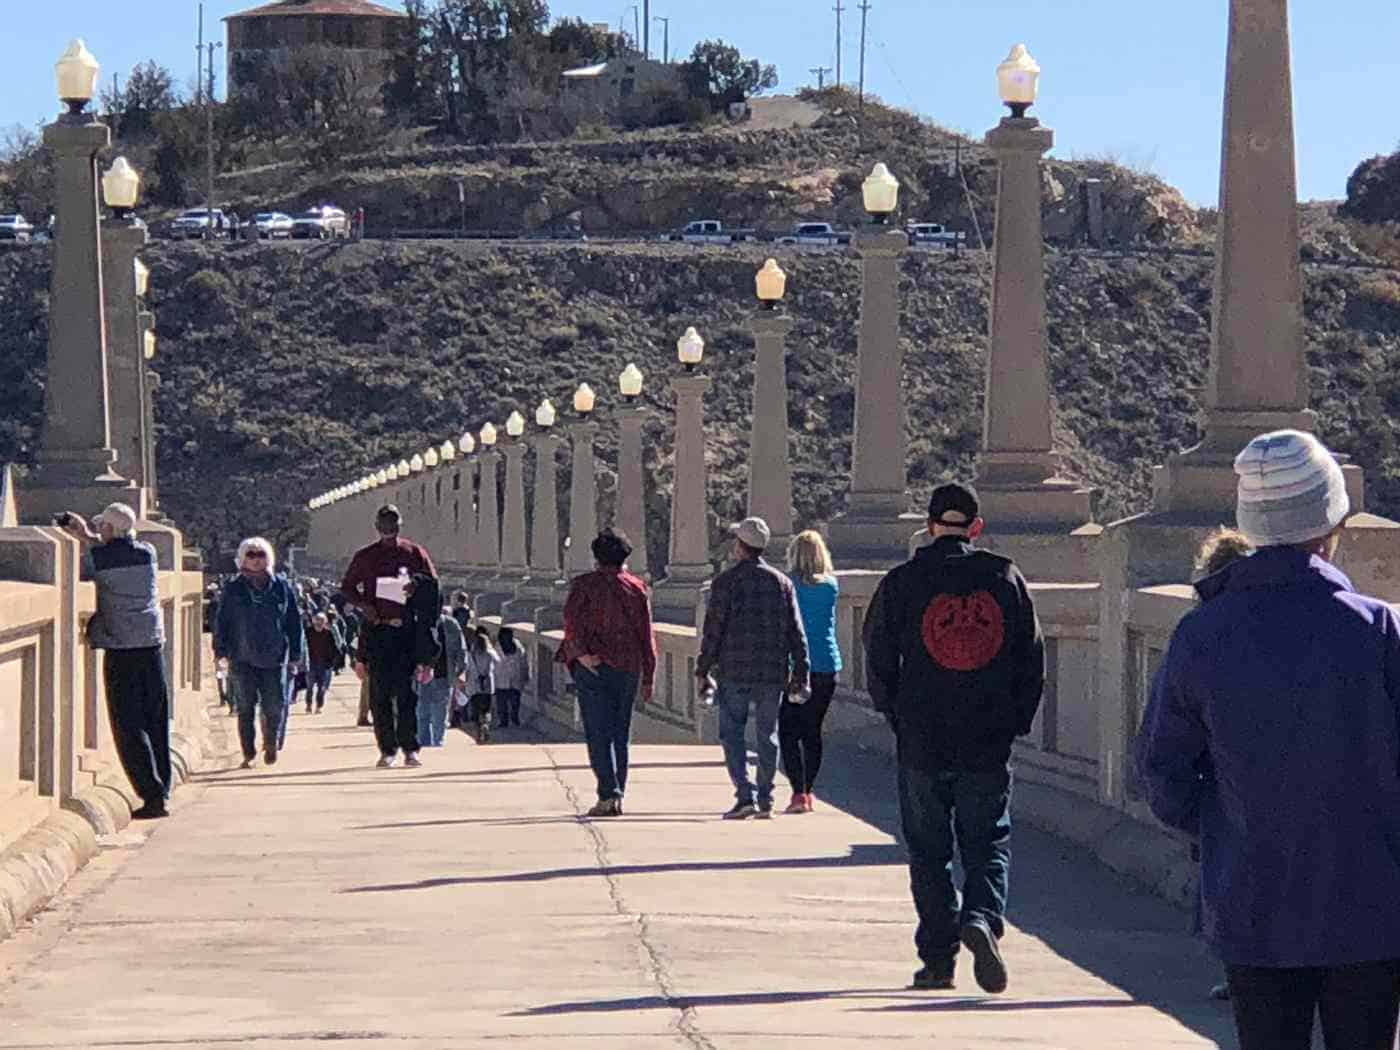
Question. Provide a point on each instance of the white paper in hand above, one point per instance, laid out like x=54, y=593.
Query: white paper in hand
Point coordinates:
x=392, y=589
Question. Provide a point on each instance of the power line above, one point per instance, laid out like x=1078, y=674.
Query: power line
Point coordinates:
x=820, y=73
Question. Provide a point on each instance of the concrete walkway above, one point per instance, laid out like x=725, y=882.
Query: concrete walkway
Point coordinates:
x=466, y=905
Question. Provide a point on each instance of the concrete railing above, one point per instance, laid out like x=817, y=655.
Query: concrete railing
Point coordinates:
x=61, y=784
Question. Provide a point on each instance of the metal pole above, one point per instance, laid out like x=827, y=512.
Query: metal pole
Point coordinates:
x=864, y=16
x=199, y=58
x=646, y=29
x=209, y=143
x=636, y=26
x=840, y=10
x=666, y=38
x=820, y=72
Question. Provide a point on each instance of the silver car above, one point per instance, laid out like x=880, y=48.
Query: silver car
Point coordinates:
x=15, y=228
x=324, y=223
x=272, y=224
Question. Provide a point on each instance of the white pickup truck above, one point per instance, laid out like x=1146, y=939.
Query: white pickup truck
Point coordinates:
x=709, y=231
x=820, y=234
x=933, y=235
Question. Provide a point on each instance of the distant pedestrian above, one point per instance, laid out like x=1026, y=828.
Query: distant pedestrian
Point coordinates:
x=800, y=720
x=260, y=638
x=377, y=583
x=610, y=650
x=512, y=676
x=482, y=659
x=129, y=628
x=955, y=660
x=435, y=696
x=323, y=652
x=462, y=610
x=1272, y=733
x=753, y=654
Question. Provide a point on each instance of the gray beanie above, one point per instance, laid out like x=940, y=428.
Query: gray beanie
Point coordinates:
x=1291, y=489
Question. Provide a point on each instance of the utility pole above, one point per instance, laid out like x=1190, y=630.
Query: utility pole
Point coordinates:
x=666, y=38
x=646, y=29
x=864, y=17
x=199, y=61
x=209, y=135
x=820, y=73
x=840, y=10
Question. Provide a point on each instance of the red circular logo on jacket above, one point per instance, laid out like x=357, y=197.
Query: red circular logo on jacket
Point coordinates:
x=964, y=633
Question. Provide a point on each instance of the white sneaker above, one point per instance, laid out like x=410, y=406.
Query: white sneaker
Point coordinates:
x=411, y=760
x=387, y=761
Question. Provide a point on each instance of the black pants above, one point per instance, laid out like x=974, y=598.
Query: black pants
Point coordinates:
x=391, y=697
x=800, y=733
x=138, y=708
x=1274, y=1008
x=507, y=707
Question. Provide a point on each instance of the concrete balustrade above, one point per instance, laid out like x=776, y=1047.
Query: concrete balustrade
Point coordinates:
x=61, y=784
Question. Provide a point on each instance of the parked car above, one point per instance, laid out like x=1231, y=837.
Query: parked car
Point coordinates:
x=15, y=228
x=274, y=225
x=194, y=224
x=933, y=235
x=817, y=234
x=708, y=231
x=322, y=223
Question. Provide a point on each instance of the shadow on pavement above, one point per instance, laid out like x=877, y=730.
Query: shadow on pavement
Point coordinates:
x=860, y=856
x=516, y=822
x=914, y=1001
x=1079, y=908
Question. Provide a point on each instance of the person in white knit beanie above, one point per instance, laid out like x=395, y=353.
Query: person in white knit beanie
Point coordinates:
x=1272, y=736
x=1291, y=490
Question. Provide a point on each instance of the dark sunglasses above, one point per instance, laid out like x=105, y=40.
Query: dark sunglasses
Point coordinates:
x=256, y=554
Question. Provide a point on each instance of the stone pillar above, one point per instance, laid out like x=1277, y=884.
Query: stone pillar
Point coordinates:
x=1022, y=497
x=583, y=500
x=122, y=240
x=1258, y=379
x=513, y=555
x=770, y=471
x=537, y=598
x=470, y=544
x=152, y=384
x=146, y=322
x=631, y=512
x=488, y=521
x=874, y=530
x=677, y=598
x=74, y=469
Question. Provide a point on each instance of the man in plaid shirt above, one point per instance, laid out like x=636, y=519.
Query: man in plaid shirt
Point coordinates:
x=755, y=645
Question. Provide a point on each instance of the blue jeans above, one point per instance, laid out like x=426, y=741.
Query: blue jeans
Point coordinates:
x=266, y=688
x=941, y=809
x=318, y=681
x=433, y=699
x=605, y=699
x=733, y=702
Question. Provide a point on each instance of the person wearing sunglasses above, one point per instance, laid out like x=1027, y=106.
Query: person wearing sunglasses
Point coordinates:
x=259, y=638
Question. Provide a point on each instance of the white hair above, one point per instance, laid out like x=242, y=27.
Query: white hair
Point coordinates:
x=120, y=518
x=258, y=543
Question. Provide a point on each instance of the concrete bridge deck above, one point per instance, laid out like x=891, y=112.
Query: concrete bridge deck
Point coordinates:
x=466, y=905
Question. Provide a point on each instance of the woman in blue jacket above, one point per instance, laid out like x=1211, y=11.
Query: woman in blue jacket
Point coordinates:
x=258, y=636
x=799, y=721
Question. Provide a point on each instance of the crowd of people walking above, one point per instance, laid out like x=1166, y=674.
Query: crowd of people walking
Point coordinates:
x=1272, y=737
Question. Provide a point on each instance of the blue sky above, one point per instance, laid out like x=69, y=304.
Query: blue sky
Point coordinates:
x=1138, y=81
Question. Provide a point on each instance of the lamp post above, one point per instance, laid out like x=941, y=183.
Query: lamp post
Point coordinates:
x=677, y=597
x=74, y=468
x=873, y=532
x=514, y=560
x=1017, y=478
x=631, y=478
x=468, y=545
x=489, y=519
x=583, y=485
x=536, y=598
x=122, y=239
x=770, y=471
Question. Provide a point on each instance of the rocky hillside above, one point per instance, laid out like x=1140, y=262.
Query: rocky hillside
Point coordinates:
x=286, y=370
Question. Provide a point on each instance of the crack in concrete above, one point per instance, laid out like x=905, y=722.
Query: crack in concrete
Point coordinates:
x=686, y=1024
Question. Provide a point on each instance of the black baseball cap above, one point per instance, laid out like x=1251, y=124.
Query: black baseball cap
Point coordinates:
x=388, y=511
x=953, y=505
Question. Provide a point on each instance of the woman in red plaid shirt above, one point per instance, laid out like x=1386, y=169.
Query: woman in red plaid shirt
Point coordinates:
x=610, y=650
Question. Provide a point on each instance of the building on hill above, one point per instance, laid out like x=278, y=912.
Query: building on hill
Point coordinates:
x=609, y=86
x=274, y=32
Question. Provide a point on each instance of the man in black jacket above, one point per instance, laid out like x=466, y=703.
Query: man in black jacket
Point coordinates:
x=956, y=662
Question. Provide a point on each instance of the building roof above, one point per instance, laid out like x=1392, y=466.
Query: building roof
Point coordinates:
x=587, y=71
x=361, y=8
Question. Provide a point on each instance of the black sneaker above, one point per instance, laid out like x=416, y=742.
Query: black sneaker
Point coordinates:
x=151, y=811
x=765, y=811
x=934, y=979
x=741, y=811
x=987, y=967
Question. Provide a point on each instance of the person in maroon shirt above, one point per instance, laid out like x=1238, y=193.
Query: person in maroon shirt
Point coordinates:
x=375, y=583
x=609, y=649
